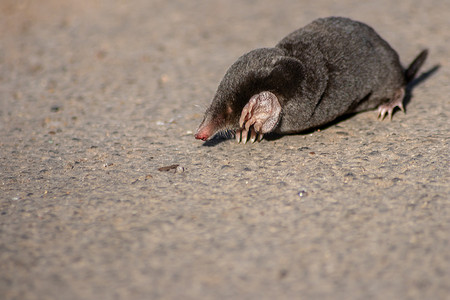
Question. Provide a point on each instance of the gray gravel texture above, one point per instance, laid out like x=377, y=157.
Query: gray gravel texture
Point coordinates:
x=96, y=96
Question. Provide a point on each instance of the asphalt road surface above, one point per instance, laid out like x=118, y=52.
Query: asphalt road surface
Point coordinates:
x=99, y=101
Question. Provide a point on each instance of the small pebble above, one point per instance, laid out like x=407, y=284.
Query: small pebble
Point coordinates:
x=164, y=78
x=283, y=273
x=55, y=108
x=180, y=169
x=302, y=193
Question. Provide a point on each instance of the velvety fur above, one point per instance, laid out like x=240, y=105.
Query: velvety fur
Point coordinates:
x=331, y=67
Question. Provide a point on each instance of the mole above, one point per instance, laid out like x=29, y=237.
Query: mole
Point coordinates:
x=332, y=67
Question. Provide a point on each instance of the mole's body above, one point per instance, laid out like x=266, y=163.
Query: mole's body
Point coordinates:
x=331, y=67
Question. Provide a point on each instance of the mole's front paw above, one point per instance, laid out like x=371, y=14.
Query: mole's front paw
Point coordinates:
x=260, y=115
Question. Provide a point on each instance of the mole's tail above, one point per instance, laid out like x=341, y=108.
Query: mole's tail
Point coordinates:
x=414, y=67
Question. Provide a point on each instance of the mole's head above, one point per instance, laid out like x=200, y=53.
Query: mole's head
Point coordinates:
x=250, y=94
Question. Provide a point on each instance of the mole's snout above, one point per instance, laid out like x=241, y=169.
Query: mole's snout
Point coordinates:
x=205, y=131
x=200, y=136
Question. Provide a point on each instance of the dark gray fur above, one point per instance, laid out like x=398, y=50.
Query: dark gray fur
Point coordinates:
x=331, y=67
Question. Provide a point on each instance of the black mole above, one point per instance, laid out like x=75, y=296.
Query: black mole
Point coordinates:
x=331, y=67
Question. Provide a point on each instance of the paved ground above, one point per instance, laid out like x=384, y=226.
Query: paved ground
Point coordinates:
x=96, y=96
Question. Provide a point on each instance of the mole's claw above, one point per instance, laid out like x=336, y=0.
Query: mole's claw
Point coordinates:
x=253, y=135
x=241, y=122
x=260, y=137
x=238, y=135
x=257, y=126
x=381, y=112
x=244, y=136
x=249, y=123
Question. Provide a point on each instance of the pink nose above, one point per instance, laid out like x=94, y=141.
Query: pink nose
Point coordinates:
x=205, y=131
x=201, y=136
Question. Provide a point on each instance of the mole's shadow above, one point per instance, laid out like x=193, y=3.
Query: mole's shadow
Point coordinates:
x=418, y=80
x=217, y=139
